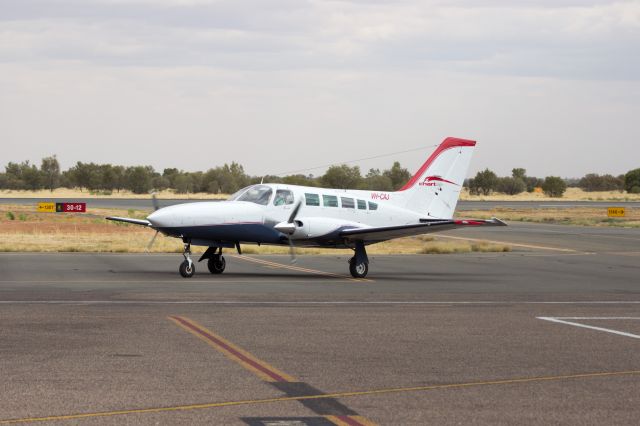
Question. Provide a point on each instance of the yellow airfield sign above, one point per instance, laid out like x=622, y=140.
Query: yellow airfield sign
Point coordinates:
x=615, y=211
x=47, y=207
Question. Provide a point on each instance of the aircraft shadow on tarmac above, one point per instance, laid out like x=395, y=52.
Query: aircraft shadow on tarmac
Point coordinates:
x=409, y=276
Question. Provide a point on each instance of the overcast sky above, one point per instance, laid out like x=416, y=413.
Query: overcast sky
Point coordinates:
x=552, y=85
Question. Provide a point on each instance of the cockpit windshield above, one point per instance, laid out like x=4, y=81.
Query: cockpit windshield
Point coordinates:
x=259, y=194
x=237, y=194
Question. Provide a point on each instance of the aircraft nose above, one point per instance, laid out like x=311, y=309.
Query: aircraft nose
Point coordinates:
x=160, y=218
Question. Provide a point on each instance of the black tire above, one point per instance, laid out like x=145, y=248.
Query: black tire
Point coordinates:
x=185, y=270
x=358, y=270
x=216, y=264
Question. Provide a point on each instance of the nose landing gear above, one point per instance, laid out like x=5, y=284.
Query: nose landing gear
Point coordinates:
x=187, y=268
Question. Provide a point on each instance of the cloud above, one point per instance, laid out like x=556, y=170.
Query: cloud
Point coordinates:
x=576, y=39
x=194, y=83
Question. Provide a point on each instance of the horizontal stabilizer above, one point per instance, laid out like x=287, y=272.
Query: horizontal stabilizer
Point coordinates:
x=142, y=222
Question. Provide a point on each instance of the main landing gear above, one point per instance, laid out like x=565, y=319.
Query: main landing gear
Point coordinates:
x=216, y=263
x=359, y=263
x=358, y=270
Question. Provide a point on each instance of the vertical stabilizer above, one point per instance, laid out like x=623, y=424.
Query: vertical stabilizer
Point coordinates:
x=435, y=188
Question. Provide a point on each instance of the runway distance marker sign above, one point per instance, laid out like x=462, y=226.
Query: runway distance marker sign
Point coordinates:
x=615, y=211
x=48, y=207
x=71, y=207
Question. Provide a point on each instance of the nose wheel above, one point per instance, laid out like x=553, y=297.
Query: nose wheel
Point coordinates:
x=187, y=268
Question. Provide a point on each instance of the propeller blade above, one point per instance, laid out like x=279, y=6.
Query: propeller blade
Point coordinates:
x=294, y=213
x=154, y=201
x=153, y=239
x=292, y=251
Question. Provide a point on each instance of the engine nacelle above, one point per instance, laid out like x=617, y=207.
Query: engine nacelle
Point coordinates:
x=314, y=227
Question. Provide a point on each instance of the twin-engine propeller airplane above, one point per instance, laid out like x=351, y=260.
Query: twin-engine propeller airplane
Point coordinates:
x=291, y=215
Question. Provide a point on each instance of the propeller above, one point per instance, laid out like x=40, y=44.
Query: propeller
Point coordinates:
x=154, y=201
x=153, y=240
x=289, y=228
x=294, y=213
x=292, y=251
x=156, y=206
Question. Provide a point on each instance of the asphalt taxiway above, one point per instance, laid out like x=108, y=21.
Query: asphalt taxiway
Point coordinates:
x=547, y=333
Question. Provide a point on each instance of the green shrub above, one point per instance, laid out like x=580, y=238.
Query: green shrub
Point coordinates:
x=554, y=186
x=632, y=181
x=11, y=216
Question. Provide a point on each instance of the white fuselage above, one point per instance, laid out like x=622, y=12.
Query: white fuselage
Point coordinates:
x=252, y=214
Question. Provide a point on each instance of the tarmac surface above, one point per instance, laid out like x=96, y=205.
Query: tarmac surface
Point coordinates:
x=548, y=333
x=145, y=204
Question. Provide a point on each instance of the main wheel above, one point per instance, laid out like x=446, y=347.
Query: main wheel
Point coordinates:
x=187, y=270
x=216, y=264
x=359, y=270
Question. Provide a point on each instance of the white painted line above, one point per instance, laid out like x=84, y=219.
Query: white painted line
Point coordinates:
x=561, y=320
x=597, y=318
x=310, y=302
x=508, y=243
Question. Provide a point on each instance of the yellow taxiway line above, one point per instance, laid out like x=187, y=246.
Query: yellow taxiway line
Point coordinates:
x=255, y=365
x=515, y=381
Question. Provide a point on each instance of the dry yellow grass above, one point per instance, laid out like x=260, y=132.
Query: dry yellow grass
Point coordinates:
x=74, y=232
x=572, y=194
x=583, y=216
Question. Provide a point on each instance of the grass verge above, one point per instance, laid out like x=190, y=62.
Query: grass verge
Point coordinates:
x=587, y=216
x=572, y=194
x=75, y=232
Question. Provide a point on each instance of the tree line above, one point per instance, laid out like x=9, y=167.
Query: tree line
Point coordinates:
x=227, y=179
x=485, y=182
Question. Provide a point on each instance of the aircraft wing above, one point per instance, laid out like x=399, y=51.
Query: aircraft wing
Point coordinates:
x=142, y=222
x=389, y=232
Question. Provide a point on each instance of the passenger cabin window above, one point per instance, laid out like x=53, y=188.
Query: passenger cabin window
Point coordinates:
x=330, y=201
x=312, y=199
x=373, y=206
x=259, y=194
x=283, y=197
x=347, y=203
x=362, y=205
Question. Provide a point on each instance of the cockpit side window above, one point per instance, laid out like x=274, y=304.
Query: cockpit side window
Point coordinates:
x=283, y=197
x=259, y=194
